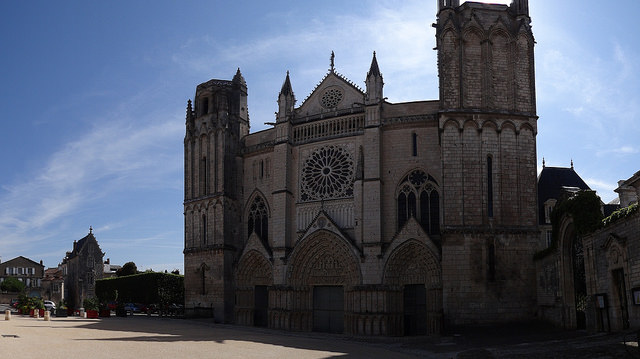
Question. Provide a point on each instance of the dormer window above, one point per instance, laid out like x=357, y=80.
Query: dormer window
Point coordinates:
x=548, y=208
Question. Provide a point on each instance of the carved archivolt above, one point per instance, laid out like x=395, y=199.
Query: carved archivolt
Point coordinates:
x=254, y=269
x=413, y=263
x=323, y=259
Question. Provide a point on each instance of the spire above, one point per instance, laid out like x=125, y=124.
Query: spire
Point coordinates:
x=189, y=109
x=374, y=70
x=374, y=83
x=239, y=79
x=286, y=100
x=286, y=86
x=333, y=58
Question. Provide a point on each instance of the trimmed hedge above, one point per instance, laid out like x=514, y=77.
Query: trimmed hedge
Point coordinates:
x=148, y=287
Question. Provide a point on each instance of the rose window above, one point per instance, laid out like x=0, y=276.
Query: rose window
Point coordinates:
x=331, y=98
x=327, y=173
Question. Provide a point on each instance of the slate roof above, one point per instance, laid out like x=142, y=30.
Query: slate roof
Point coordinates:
x=553, y=182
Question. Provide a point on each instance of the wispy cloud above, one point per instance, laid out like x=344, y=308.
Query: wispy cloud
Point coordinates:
x=119, y=153
x=620, y=151
x=397, y=31
x=603, y=188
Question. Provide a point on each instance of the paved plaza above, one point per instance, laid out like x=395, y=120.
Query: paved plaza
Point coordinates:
x=153, y=337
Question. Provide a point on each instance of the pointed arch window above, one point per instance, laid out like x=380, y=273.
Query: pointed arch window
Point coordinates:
x=258, y=220
x=204, y=229
x=490, y=186
x=418, y=197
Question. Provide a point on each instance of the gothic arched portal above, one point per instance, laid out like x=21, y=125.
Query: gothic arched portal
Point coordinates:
x=322, y=270
x=415, y=272
x=254, y=276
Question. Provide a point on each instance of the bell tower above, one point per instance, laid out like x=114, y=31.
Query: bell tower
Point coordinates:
x=488, y=127
x=212, y=184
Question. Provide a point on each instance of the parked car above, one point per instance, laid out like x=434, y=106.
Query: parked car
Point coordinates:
x=49, y=305
x=131, y=308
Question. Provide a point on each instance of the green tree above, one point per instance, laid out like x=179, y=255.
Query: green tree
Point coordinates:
x=12, y=284
x=128, y=268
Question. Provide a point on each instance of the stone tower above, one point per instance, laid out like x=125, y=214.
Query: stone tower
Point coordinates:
x=487, y=122
x=213, y=192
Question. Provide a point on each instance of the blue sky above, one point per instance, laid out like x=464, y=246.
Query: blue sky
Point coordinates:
x=93, y=97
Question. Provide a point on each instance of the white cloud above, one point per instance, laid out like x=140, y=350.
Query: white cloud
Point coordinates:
x=603, y=188
x=623, y=150
x=119, y=153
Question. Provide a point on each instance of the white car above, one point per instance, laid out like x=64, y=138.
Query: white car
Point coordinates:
x=49, y=305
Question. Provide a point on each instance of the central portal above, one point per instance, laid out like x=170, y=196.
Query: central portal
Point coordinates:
x=328, y=309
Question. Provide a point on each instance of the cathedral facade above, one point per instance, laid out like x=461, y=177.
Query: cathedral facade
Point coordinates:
x=355, y=215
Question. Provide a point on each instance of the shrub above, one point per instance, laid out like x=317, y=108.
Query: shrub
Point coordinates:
x=90, y=303
x=12, y=284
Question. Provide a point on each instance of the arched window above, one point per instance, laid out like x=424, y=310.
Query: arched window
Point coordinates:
x=204, y=229
x=258, y=220
x=490, y=186
x=419, y=198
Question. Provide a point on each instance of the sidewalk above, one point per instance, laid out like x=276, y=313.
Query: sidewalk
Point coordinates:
x=152, y=337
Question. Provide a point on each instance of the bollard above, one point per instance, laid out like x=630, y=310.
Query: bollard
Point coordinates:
x=47, y=315
x=7, y=315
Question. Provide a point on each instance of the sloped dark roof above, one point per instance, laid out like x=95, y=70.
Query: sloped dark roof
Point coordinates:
x=24, y=258
x=79, y=244
x=553, y=182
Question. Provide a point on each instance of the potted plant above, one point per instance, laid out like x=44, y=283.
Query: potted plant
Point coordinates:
x=105, y=312
x=39, y=306
x=61, y=309
x=91, y=307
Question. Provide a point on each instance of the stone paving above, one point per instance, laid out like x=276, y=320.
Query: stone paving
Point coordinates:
x=152, y=337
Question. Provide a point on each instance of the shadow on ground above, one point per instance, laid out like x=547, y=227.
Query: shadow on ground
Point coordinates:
x=520, y=341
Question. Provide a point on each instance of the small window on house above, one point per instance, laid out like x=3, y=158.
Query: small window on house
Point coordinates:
x=261, y=169
x=549, y=238
x=414, y=141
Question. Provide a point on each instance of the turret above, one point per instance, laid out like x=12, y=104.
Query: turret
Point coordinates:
x=520, y=7
x=448, y=3
x=240, y=96
x=286, y=100
x=374, y=83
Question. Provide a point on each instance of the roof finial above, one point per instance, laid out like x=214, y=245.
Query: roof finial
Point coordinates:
x=572, y=163
x=333, y=57
x=543, y=163
x=90, y=229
